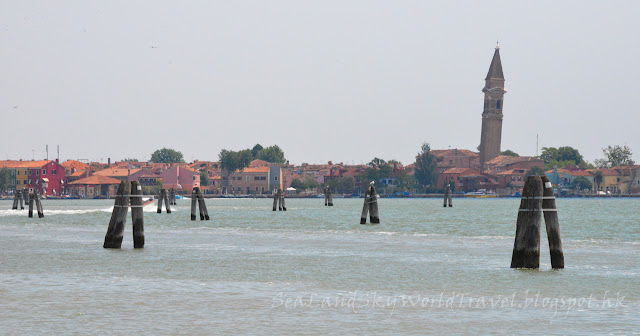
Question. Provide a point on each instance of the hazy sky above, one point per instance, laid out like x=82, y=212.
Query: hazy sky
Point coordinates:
x=325, y=80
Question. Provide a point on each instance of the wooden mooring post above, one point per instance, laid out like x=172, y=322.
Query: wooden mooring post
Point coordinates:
x=31, y=202
x=113, y=238
x=370, y=206
x=137, y=214
x=162, y=197
x=537, y=200
x=198, y=200
x=17, y=199
x=38, y=204
x=129, y=194
x=447, y=196
x=328, y=198
x=172, y=196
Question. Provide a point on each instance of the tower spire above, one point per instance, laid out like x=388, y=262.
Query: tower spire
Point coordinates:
x=495, y=69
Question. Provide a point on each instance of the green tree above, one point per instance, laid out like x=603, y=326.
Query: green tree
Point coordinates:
x=535, y=171
x=272, y=154
x=376, y=162
x=232, y=161
x=562, y=157
x=618, y=156
x=426, y=172
x=581, y=183
x=167, y=155
x=299, y=185
x=509, y=152
x=342, y=185
x=255, y=150
x=5, y=179
x=204, y=178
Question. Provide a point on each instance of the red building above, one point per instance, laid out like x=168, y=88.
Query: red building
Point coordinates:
x=47, y=177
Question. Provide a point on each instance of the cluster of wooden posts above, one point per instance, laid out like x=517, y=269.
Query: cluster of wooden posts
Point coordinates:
x=196, y=194
x=32, y=199
x=537, y=202
x=278, y=200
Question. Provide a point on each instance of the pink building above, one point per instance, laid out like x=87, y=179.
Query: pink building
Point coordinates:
x=180, y=178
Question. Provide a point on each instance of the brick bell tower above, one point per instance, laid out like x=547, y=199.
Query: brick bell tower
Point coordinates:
x=494, y=91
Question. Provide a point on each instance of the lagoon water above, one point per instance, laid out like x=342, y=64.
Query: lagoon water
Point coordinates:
x=314, y=270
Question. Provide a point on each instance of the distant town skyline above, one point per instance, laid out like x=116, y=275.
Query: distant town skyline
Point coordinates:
x=331, y=81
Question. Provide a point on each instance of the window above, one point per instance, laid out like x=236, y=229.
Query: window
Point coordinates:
x=256, y=178
x=194, y=177
x=275, y=178
x=30, y=172
x=54, y=172
x=256, y=189
x=224, y=178
x=24, y=182
x=44, y=172
x=29, y=181
x=262, y=178
x=37, y=172
x=239, y=178
x=18, y=173
x=38, y=181
x=498, y=104
x=17, y=182
x=263, y=190
x=248, y=178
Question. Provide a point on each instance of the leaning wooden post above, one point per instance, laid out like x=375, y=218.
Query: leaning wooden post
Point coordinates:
x=284, y=207
x=194, y=199
x=31, y=201
x=21, y=200
x=553, y=225
x=447, y=191
x=330, y=197
x=326, y=196
x=38, y=204
x=373, y=208
x=137, y=215
x=113, y=238
x=166, y=202
x=526, y=248
x=204, y=214
x=365, y=208
x=160, y=199
x=15, y=201
x=275, y=200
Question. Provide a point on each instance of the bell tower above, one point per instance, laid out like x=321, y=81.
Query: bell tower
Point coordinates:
x=494, y=91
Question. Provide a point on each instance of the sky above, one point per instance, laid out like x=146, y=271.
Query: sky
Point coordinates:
x=341, y=81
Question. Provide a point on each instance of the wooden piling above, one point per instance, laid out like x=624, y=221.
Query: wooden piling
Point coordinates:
x=204, y=214
x=113, y=238
x=38, y=204
x=447, y=191
x=450, y=198
x=21, y=200
x=166, y=202
x=365, y=208
x=31, y=202
x=194, y=199
x=552, y=224
x=137, y=215
x=326, y=196
x=284, y=207
x=15, y=201
x=374, y=217
x=526, y=248
x=330, y=196
x=276, y=197
x=160, y=199
x=172, y=196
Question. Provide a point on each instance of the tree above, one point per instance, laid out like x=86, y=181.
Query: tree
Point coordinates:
x=597, y=178
x=618, y=156
x=376, y=162
x=167, y=155
x=232, y=161
x=5, y=179
x=562, y=157
x=204, y=178
x=509, y=152
x=535, y=171
x=426, y=172
x=255, y=150
x=272, y=154
x=581, y=183
x=342, y=185
x=299, y=185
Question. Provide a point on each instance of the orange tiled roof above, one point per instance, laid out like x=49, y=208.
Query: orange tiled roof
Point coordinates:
x=116, y=171
x=23, y=164
x=77, y=165
x=97, y=179
x=503, y=160
x=78, y=173
x=256, y=170
x=456, y=170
